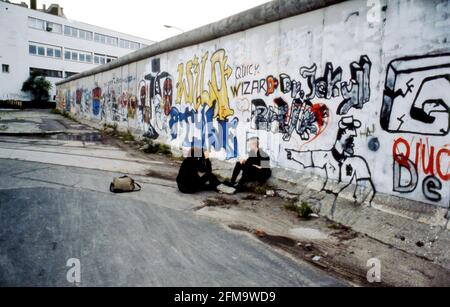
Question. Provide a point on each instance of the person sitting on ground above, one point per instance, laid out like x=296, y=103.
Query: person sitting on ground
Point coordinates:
x=254, y=169
x=195, y=174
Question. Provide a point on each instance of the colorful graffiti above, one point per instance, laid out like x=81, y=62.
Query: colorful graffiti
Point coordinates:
x=412, y=161
x=191, y=87
x=215, y=106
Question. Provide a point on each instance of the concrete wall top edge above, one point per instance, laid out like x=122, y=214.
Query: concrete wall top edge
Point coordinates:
x=263, y=14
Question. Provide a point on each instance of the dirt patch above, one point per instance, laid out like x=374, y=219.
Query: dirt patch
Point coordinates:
x=160, y=175
x=221, y=201
x=343, y=233
x=310, y=252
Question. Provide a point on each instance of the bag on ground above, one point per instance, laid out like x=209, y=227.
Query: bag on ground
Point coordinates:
x=123, y=185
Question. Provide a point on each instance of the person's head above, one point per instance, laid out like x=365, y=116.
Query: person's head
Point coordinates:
x=253, y=144
x=347, y=133
x=196, y=152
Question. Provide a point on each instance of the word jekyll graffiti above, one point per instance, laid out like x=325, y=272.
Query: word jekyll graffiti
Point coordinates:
x=340, y=166
x=355, y=92
x=206, y=104
x=433, y=162
x=308, y=119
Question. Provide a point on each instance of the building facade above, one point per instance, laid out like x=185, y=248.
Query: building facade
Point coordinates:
x=44, y=40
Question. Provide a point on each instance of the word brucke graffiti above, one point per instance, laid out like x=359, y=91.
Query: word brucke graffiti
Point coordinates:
x=413, y=160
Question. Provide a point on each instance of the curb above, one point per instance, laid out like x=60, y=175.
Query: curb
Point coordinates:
x=46, y=133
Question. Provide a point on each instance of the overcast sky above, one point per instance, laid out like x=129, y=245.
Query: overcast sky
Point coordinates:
x=146, y=18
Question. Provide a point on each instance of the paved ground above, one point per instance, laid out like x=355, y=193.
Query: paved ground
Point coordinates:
x=55, y=205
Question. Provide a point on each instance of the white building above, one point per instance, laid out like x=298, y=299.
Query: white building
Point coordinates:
x=32, y=39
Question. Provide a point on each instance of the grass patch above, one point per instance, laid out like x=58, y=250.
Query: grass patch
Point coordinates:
x=63, y=113
x=303, y=211
x=112, y=128
x=56, y=111
x=260, y=190
x=127, y=136
x=156, y=148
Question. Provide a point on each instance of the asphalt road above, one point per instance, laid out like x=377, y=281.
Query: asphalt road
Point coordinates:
x=122, y=241
x=55, y=205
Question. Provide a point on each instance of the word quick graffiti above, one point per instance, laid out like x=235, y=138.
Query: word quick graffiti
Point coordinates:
x=355, y=92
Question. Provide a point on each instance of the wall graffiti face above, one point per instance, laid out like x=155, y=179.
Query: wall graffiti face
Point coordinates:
x=366, y=115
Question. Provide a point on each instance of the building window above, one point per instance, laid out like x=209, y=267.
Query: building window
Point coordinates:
x=103, y=59
x=41, y=50
x=53, y=27
x=50, y=52
x=129, y=44
x=43, y=25
x=32, y=49
x=78, y=33
x=44, y=50
x=106, y=39
x=47, y=72
x=67, y=31
x=78, y=56
x=35, y=23
x=69, y=74
x=5, y=68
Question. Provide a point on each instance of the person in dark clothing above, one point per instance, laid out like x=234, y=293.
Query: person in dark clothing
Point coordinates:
x=195, y=174
x=255, y=169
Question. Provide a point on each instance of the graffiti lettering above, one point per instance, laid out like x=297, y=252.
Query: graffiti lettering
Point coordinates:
x=195, y=93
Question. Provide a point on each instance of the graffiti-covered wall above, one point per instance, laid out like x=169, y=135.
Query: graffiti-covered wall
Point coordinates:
x=357, y=93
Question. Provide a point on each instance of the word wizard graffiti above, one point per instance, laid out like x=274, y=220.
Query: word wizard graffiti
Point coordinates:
x=355, y=93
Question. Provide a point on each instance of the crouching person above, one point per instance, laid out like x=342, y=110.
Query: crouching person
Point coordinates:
x=255, y=169
x=195, y=174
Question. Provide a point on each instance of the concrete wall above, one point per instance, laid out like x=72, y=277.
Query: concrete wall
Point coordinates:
x=356, y=93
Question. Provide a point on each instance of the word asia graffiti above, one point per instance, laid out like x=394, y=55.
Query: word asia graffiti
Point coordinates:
x=207, y=114
x=306, y=118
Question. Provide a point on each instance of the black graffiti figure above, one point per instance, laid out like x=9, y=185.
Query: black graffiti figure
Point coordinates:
x=417, y=96
x=340, y=164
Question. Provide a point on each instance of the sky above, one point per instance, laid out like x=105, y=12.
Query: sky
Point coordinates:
x=146, y=18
